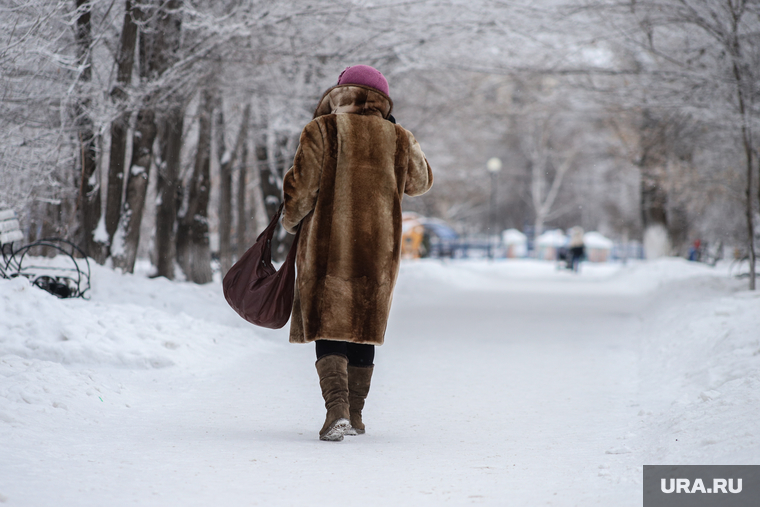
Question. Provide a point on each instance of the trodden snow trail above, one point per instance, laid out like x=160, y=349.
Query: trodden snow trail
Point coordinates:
x=508, y=393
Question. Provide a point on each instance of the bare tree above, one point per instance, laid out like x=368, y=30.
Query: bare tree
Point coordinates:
x=159, y=41
x=226, y=159
x=170, y=143
x=661, y=146
x=89, y=186
x=226, y=163
x=125, y=58
x=548, y=167
x=193, y=253
x=242, y=184
x=127, y=236
x=168, y=190
x=702, y=58
x=268, y=182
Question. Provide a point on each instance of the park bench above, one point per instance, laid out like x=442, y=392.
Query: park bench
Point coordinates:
x=65, y=275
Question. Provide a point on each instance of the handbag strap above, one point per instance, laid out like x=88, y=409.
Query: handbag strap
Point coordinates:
x=269, y=232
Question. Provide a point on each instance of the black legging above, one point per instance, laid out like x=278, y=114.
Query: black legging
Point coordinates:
x=358, y=354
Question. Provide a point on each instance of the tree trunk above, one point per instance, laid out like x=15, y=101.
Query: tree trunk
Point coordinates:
x=657, y=135
x=242, y=218
x=654, y=217
x=270, y=191
x=169, y=192
x=47, y=223
x=226, y=162
x=654, y=199
x=127, y=236
x=159, y=41
x=543, y=201
x=747, y=143
x=120, y=126
x=225, y=191
x=163, y=39
x=89, y=186
x=750, y=221
x=193, y=253
x=538, y=225
x=750, y=207
x=678, y=229
x=537, y=184
x=167, y=41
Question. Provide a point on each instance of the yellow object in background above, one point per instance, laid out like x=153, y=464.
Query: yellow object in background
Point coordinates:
x=412, y=235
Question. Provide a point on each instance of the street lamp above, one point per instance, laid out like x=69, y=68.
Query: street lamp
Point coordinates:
x=494, y=166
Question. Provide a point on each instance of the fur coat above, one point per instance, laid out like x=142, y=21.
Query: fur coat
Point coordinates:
x=345, y=188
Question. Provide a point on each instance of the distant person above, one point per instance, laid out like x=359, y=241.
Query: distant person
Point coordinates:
x=351, y=169
x=577, y=248
x=695, y=252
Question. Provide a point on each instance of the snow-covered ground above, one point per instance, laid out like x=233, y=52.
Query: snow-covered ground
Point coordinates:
x=503, y=383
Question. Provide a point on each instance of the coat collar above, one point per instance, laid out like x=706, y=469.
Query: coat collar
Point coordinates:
x=355, y=99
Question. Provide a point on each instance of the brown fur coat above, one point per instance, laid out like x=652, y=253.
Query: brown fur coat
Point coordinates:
x=349, y=175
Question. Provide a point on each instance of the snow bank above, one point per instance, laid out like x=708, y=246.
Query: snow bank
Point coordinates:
x=35, y=325
x=49, y=346
x=701, y=377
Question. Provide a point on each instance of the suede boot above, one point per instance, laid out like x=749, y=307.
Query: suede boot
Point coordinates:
x=359, y=378
x=333, y=379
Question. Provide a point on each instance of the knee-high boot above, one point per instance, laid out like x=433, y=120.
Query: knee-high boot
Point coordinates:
x=359, y=378
x=333, y=379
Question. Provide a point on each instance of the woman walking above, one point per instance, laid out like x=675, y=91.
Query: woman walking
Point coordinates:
x=351, y=169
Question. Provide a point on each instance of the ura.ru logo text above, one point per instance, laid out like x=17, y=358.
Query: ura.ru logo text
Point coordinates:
x=685, y=486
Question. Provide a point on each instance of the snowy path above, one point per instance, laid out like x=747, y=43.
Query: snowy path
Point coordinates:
x=524, y=395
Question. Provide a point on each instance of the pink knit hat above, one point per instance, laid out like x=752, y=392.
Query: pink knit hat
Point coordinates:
x=364, y=75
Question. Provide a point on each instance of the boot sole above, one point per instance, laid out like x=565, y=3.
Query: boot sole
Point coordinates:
x=353, y=431
x=335, y=432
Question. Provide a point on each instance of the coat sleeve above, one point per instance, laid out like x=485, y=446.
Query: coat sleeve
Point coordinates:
x=301, y=183
x=419, y=176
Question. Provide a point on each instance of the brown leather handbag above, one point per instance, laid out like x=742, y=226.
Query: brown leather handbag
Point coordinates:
x=259, y=293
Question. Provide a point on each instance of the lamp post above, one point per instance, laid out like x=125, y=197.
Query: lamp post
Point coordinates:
x=494, y=166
